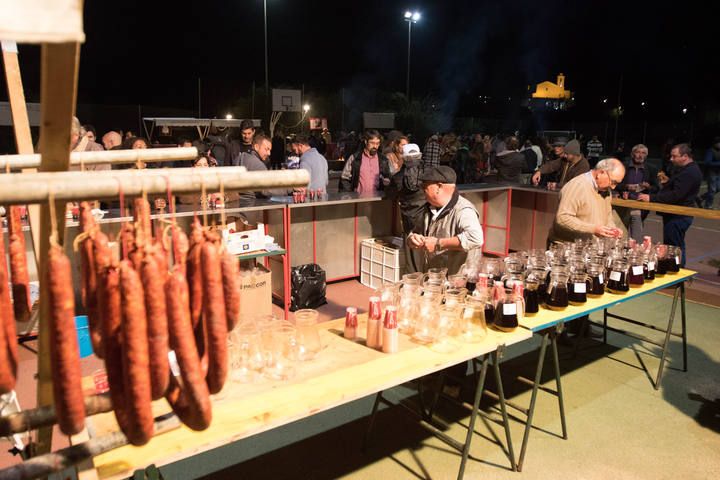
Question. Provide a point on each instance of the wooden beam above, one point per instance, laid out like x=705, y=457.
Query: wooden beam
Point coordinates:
x=58, y=92
x=21, y=127
x=665, y=208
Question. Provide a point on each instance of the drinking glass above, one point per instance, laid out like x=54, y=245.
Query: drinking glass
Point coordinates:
x=308, y=337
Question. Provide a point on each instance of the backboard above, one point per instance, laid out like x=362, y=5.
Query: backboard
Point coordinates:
x=284, y=100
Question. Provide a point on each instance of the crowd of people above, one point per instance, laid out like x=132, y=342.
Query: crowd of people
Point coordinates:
x=392, y=163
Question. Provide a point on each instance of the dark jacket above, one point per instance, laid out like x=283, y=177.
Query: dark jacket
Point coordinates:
x=649, y=176
x=406, y=186
x=682, y=188
x=351, y=184
x=556, y=166
x=509, y=166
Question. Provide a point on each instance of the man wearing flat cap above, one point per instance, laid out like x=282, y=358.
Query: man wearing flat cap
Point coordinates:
x=448, y=226
x=570, y=165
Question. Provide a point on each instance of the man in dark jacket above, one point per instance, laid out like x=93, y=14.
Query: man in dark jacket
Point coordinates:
x=569, y=166
x=407, y=187
x=681, y=189
x=366, y=170
x=639, y=177
x=510, y=163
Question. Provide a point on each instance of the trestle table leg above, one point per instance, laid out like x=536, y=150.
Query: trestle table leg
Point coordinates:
x=533, y=398
x=371, y=423
x=473, y=416
x=561, y=402
x=667, y=339
x=684, y=329
x=503, y=408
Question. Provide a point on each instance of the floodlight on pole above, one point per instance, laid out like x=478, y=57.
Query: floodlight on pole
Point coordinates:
x=410, y=17
x=228, y=116
x=306, y=108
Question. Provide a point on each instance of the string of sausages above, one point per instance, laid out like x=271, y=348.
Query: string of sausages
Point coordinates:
x=181, y=295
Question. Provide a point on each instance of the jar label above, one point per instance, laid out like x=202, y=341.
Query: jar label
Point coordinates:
x=651, y=265
x=601, y=279
x=580, y=288
x=615, y=276
x=677, y=259
x=509, y=309
x=637, y=270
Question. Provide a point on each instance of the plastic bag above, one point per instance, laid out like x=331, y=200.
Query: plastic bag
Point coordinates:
x=308, y=287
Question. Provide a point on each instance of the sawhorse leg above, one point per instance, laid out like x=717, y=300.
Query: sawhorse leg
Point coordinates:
x=551, y=336
x=666, y=343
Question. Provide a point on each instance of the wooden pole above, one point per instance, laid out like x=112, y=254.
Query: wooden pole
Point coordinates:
x=96, y=185
x=58, y=92
x=114, y=157
x=21, y=127
x=35, y=418
x=49, y=463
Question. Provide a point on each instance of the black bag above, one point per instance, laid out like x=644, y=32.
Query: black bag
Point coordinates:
x=308, y=287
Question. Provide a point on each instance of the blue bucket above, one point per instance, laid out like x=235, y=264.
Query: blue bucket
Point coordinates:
x=83, y=336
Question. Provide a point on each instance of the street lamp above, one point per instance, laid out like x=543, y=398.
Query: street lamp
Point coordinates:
x=228, y=116
x=410, y=17
x=267, y=85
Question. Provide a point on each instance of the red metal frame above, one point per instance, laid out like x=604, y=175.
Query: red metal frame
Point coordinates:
x=356, y=267
x=314, y=230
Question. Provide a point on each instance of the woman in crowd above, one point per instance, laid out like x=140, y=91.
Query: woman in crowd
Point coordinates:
x=395, y=155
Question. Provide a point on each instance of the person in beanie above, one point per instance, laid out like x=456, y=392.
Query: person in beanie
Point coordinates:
x=569, y=166
x=448, y=226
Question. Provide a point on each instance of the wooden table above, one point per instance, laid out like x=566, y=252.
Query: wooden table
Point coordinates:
x=344, y=371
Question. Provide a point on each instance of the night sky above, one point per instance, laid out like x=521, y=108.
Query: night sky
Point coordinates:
x=152, y=52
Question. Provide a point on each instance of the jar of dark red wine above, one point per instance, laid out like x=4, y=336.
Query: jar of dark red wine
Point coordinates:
x=557, y=293
x=595, y=280
x=577, y=289
x=618, y=277
x=636, y=272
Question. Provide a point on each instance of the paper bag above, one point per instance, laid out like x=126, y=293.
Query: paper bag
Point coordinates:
x=255, y=291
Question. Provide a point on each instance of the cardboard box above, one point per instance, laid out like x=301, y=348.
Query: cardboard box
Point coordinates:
x=255, y=291
x=239, y=242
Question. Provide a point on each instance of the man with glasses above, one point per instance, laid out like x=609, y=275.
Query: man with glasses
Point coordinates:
x=585, y=211
x=585, y=208
x=681, y=189
x=448, y=226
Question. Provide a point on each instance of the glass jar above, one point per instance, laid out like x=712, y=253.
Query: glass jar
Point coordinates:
x=531, y=296
x=448, y=322
x=455, y=296
x=473, y=326
x=457, y=280
x=493, y=267
x=675, y=256
x=557, y=294
x=506, y=313
x=595, y=280
x=636, y=271
x=426, y=324
x=663, y=260
x=577, y=289
x=308, y=337
x=408, y=308
x=412, y=279
x=618, y=277
x=649, y=262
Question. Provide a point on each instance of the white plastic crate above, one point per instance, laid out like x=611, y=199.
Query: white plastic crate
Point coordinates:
x=380, y=263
